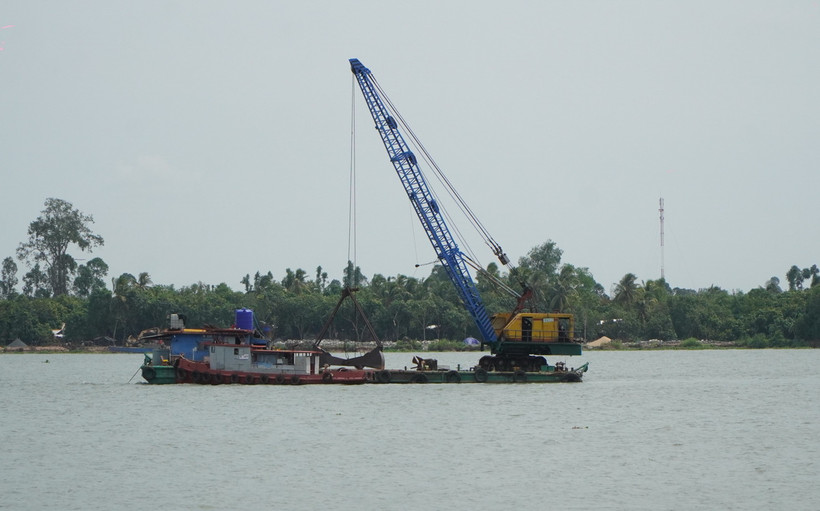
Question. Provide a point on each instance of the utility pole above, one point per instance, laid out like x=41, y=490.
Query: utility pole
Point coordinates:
x=660, y=210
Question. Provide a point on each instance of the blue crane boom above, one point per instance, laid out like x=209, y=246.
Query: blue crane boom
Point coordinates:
x=424, y=204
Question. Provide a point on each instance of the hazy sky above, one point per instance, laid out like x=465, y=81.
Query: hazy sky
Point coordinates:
x=211, y=139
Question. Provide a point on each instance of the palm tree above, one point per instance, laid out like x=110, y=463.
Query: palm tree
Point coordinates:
x=143, y=280
x=295, y=281
x=120, y=301
x=564, y=288
x=626, y=290
x=795, y=278
x=644, y=303
x=353, y=276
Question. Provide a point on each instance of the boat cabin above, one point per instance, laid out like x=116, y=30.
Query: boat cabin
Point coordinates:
x=192, y=343
x=245, y=358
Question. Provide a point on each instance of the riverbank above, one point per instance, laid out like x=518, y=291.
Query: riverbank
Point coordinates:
x=441, y=346
x=56, y=349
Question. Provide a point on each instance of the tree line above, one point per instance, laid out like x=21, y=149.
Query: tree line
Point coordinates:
x=56, y=290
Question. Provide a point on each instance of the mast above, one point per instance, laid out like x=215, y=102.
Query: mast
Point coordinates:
x=660, y=210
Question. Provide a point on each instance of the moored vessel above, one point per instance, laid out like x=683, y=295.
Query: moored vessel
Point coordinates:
x=240, y=354
x=214, y=356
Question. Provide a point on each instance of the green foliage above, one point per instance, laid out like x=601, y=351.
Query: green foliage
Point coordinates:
x=8, y=278
x=796, y=276
x=691, y=343
x=627, y=289
x=353, y=276
x=807, y=325
x=33, y=319
x=409, y=309
x=50, y=236
x=90, y=277
x=449, y=345
x=539, y=271
x=757, y=341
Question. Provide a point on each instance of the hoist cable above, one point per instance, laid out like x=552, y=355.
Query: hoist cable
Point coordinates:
x=351, y=214
x=492, y=278
x=426, y=156
x=459, y=200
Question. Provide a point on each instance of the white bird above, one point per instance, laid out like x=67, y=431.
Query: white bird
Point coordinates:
x=58, y=333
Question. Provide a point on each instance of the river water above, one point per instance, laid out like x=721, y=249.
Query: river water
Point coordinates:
x=658, y=430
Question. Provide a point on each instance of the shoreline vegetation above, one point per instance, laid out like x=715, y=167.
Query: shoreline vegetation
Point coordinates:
x=62, y=302
x=444, y=345
x=711, y=318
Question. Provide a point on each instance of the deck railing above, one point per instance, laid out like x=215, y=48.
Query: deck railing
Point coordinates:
x=538, y=335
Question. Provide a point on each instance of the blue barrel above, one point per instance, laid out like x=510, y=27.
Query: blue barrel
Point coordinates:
x=244, y=319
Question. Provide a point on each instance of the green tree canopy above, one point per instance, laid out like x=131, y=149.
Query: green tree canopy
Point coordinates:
x=90, y=277
x=50, y=236
x=8, y=278
x=627, y=289
x=807, y=326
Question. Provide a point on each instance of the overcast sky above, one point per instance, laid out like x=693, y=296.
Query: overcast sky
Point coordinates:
x=211, y=139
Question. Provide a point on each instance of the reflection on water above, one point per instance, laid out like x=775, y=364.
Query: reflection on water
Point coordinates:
x=646, y=430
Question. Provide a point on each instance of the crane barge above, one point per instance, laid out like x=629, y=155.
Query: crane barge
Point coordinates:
x=518, y=340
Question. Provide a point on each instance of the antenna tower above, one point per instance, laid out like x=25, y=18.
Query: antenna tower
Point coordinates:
x=660, y=210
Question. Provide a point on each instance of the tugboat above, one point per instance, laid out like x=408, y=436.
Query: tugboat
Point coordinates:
x=240, y=355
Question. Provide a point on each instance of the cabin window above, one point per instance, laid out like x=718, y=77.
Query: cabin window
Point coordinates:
x=236, y=351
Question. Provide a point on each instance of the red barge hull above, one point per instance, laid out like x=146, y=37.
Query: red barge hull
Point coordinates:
x=188, y=371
